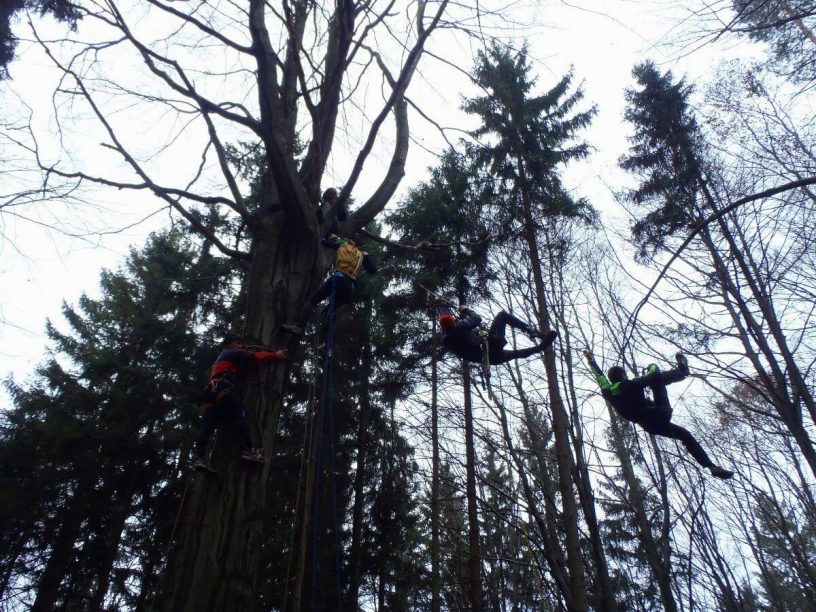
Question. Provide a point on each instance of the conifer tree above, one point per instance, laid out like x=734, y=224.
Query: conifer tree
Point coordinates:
x=678, y=190
x=107, y=421
x=447, y=211
x=524, y=139
x=292, y=75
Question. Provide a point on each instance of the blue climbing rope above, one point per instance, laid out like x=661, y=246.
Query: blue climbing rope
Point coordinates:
x=327, y=408
x=328, y=403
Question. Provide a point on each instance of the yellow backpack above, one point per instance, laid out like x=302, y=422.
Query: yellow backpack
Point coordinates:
x=349, y=259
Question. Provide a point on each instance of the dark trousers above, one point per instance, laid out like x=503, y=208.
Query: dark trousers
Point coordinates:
x=344, y=291
x=657, y=421
x=496, y=340
x=229, y=409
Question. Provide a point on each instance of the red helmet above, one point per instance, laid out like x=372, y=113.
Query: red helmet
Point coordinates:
x=447, y=321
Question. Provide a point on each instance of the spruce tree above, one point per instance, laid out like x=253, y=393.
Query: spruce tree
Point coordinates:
x=107, y=421
x=524, y=140
x=679, y=189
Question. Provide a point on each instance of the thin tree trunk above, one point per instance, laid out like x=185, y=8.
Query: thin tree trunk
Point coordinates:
x=61, y=551
x=12, y=556
x=435, y=549
x=559, y=417
x=606, y=594
x=111, y=537
x=552, y=553
x=750, y=329
x=301, y=552
x=806, y=31
x=635, y=497
x=474, y=557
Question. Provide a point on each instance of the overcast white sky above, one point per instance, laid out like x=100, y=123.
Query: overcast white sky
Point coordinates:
x=39, y=268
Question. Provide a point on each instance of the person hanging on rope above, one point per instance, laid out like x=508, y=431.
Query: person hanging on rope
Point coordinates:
x=223, y=404
x=628, y=398
x=461, y=336
x=347, y=265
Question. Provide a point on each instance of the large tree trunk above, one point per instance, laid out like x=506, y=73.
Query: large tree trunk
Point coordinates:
x=217, y=563
x=474, y=556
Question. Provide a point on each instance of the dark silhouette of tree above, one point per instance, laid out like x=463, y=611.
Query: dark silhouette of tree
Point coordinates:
x=62, y=10
x=94, y=446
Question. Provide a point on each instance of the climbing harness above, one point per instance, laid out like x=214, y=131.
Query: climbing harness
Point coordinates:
x=216, y=390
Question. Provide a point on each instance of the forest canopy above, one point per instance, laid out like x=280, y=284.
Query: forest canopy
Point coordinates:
x=369, y=458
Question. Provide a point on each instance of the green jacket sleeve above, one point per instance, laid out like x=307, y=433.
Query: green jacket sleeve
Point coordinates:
x=602, y=380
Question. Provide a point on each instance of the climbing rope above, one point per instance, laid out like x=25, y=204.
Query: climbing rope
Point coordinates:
x=328, y=404
x=178, y=514
x=307, y=429
x=326, y=408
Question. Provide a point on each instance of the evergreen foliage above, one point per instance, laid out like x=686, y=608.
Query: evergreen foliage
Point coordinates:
x=362, y=492
x=788, y=27
x=524, y=139
x=664, y=154
x=93, y=449
x=62, y=10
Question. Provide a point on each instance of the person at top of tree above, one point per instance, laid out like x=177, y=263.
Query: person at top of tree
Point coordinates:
x=462, y=336
x=348, y=263
x=627, y=396
x=328, y=210
x=223, y=404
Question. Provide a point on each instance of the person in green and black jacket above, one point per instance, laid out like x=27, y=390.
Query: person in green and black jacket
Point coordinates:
x=628, y=398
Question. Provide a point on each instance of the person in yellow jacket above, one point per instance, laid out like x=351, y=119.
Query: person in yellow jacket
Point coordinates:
x=348, y=263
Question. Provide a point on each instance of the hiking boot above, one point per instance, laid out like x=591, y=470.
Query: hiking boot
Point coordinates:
x=253, y=454
x=652, y=368
x=719, y=472
x=293, y=328
x=682, y=362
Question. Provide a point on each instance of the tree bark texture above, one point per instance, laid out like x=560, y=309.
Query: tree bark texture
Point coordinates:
x=475, y=597
x=560, y=419
x=435, y=549
x=217, y=563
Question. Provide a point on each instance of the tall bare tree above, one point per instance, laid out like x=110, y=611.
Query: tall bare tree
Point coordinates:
x=286, y=77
